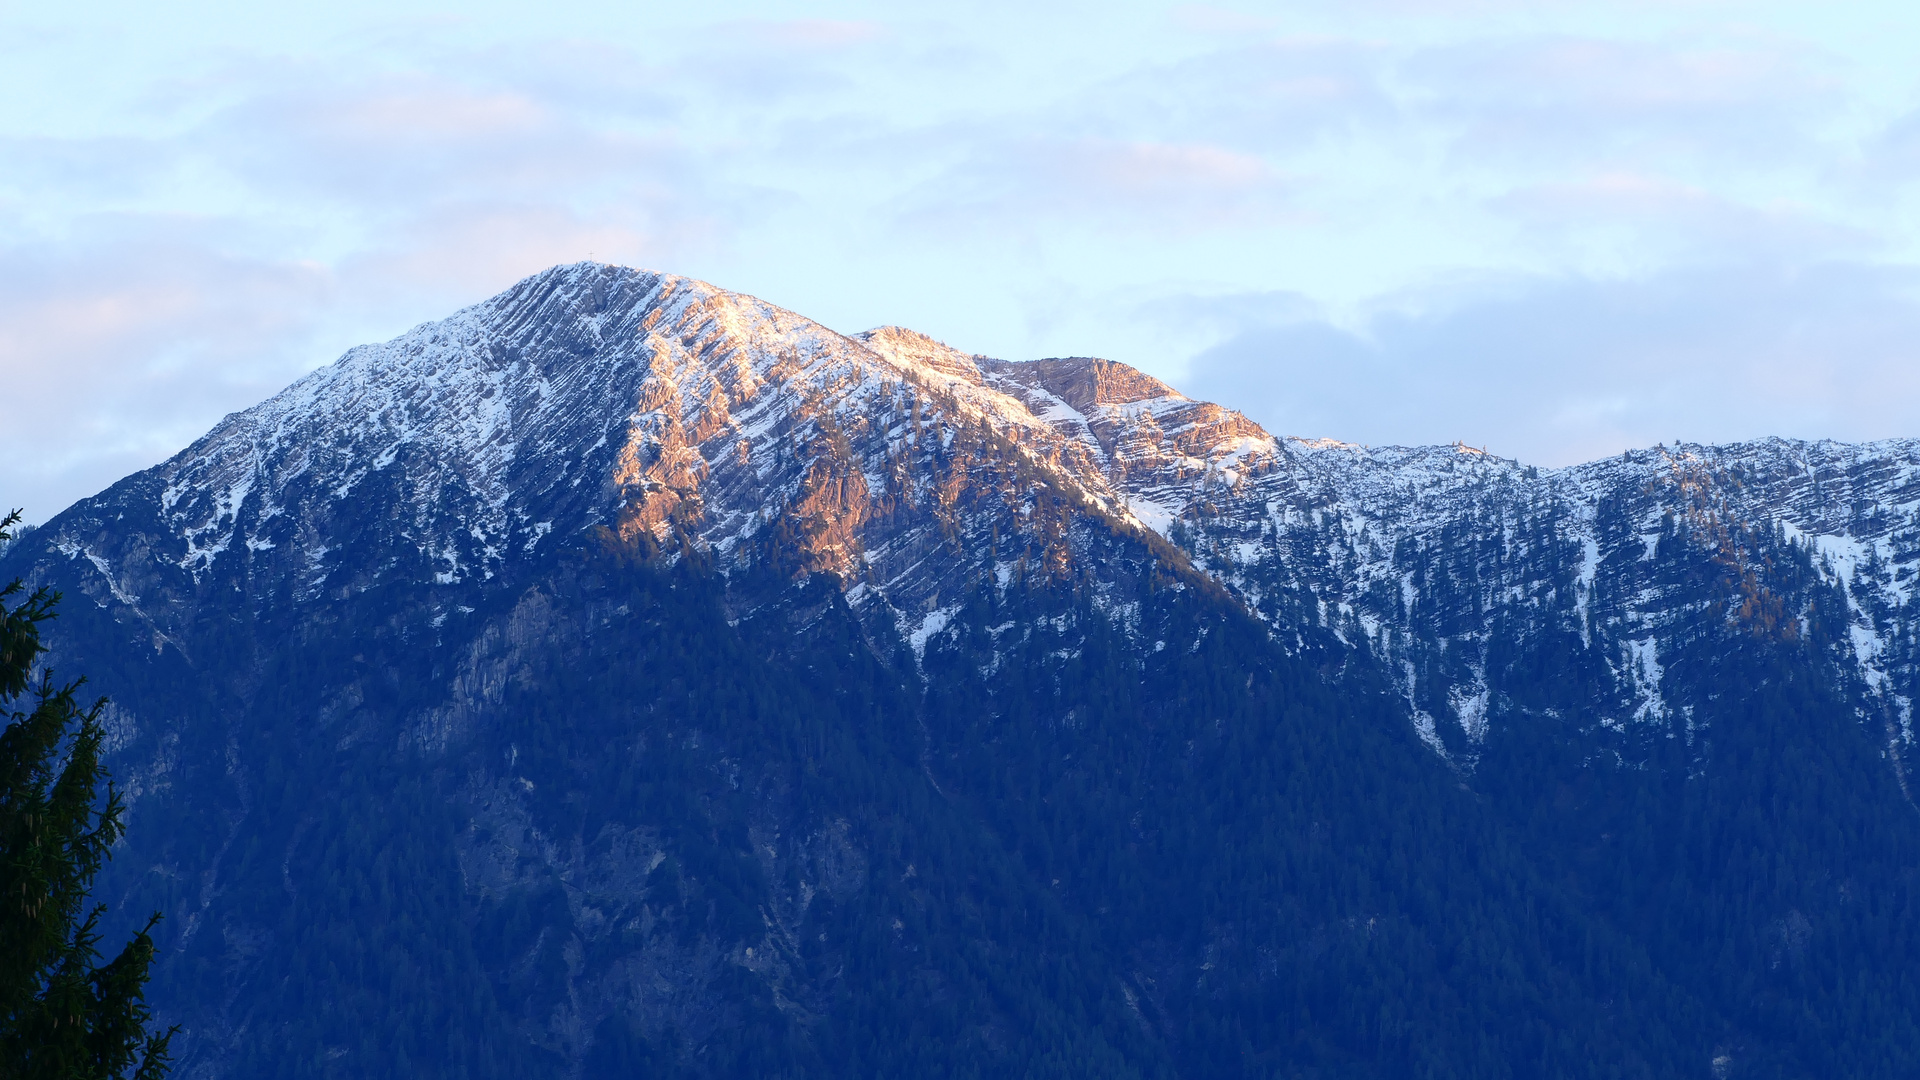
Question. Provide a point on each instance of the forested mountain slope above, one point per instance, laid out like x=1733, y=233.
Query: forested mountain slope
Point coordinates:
x=628, y=677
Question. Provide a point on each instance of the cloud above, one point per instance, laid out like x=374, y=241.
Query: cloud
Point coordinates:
x=1889, y=165
x=119, y=348
x=1662, y=246
x=1138, y=186
x=455, y=254
x=1594, y=153
x=106, y=170
x=1280, y=94
x=1639, y=220
x=1559, y=370
x=403, y=141
x=1568, y=100
x=810, y=34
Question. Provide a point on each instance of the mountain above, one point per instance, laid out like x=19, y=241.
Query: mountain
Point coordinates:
x=625, y=676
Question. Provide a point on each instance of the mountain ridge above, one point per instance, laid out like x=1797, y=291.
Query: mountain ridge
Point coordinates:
x=738, y=408
x=625, y=674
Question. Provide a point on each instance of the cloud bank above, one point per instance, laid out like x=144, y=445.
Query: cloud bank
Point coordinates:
x=1560, y=371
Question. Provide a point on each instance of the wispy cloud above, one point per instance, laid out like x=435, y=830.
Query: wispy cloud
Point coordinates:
x=118, y=348
x=1568, y=100
x=1277, y=94
x=1557, y=229
x=1626, y=220
x=1555, y=371
x=1138, y=186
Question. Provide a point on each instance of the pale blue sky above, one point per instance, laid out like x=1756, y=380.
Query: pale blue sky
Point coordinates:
x=1555, y=229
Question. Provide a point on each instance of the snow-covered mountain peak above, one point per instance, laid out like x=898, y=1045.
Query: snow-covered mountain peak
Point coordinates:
x=670, y=411
x=661, y=408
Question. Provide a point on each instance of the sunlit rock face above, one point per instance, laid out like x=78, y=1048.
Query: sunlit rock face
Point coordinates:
x=659, y=408
x=651, y=657
x=663, y=408
x=1449, y=566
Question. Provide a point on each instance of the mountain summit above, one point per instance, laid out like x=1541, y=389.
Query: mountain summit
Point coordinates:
x=656, y=407
x=625, y=675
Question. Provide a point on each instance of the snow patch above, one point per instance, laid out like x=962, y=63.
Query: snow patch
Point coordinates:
x=1645, y=672
x=1471, y=708
x=934, y=622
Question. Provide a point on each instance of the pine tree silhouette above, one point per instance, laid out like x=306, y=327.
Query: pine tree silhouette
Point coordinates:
x=62, y=1013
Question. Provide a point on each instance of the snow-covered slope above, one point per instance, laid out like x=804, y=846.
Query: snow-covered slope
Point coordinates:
x=1434, y=559
x=672, y=413
x=661, y=409
x=1430, y=556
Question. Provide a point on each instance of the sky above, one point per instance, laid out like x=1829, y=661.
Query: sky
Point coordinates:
x=1553, y=229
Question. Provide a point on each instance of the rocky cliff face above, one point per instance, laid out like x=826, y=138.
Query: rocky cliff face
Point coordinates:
x=1440, y=561
x=661, y=409
x=664, y=408
x=1437, y=561
x=679, y=676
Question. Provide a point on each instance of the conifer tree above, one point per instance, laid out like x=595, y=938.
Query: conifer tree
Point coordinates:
x=63, y=1014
